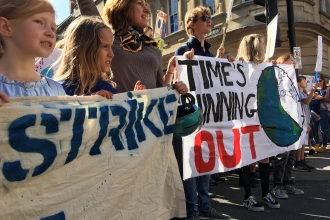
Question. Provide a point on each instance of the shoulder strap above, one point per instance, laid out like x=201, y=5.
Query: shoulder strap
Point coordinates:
x=56, y=87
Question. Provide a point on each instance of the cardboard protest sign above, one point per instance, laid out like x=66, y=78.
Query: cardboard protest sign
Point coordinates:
x=251, y=112
x=90, y=158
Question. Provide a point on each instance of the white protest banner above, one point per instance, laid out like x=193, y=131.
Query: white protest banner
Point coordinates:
x=271, y=37
x=318, y=67
x=48, y=66
x=230, y=8
x=90, y=158
x=251, y=112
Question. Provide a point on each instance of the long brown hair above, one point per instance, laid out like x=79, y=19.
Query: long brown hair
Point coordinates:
x=15, y=10
x=250, y=49
x=79, y=59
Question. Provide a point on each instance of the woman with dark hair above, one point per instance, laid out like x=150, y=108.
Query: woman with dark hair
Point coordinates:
x=318, y=105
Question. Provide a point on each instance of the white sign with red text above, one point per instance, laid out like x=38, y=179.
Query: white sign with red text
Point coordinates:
x=251, y=112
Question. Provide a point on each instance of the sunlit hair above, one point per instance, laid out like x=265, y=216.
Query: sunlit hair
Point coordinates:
x=79, y=59
x=250, y=49
x=324, y=84
x=192, y=16
x=116, y=13
x=283, y=58
x=16, y=10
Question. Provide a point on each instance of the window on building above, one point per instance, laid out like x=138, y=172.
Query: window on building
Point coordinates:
x=174, y=17
x=210, y=4
x=325, y=6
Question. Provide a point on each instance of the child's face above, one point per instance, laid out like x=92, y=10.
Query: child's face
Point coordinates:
x=203, y=25
x=35, y=35
x=105, y=54
x=302, y=84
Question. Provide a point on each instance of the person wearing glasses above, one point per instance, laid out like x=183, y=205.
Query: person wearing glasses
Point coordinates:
x=198, y=24
x=321, y=110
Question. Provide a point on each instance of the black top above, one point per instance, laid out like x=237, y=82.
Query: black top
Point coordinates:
x=197, y=45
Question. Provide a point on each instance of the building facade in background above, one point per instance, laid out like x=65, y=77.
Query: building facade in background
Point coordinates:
x=312, y=18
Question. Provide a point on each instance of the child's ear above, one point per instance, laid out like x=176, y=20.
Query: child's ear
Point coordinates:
x=5, y=27
x=192, y=25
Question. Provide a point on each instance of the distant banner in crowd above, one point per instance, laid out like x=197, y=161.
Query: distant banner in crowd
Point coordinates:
x=48, y=66
x=310, y=81
x=318, y=66
x=90, y=158
x=159, y=31
x=251, y=112
x=160, y=25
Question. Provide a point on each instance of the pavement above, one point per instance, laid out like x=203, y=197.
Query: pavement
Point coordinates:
x=314, y=204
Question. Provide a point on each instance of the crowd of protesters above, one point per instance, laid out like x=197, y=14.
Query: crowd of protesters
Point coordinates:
x=101, y=60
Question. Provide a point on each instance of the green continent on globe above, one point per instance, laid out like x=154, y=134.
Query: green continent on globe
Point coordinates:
x=278, y=125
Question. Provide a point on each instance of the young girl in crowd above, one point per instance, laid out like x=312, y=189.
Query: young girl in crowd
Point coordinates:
x=27, y=31
x=86, y=59
x=252, y=49
x=137, y=57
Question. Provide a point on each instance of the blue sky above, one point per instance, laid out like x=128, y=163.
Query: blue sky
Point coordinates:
x=62, y=8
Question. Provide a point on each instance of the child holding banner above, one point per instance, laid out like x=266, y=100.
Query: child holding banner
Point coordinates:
x=86, y=59
x=198, y=24
x=283, y=163
x=27, y=31
x=252, y=49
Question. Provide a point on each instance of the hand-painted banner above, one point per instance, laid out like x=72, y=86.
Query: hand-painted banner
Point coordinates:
x=251, y=112
x=90, y=158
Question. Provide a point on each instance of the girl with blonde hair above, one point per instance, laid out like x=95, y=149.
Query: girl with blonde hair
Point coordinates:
x=27, y=31
x=252, y=49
